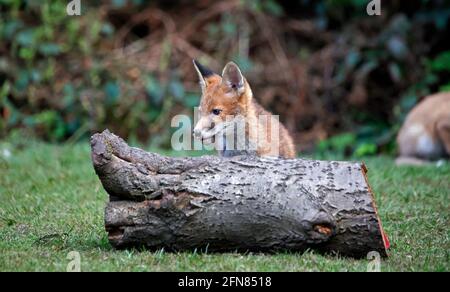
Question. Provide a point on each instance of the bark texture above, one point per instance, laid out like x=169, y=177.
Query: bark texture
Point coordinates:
x=239, y=203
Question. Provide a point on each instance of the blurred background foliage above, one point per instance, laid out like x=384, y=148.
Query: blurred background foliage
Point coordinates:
x=341, y=81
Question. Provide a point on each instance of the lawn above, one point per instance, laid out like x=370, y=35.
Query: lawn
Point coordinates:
x=51, y=203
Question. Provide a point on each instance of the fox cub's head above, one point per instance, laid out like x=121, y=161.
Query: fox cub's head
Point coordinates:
x=223, y=98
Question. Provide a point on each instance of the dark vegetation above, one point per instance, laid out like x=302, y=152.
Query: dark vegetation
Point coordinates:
x=341, y=80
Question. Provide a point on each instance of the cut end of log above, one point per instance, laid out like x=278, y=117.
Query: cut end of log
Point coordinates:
x=384, y=237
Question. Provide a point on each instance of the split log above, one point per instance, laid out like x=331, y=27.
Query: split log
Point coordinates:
x=239, y=203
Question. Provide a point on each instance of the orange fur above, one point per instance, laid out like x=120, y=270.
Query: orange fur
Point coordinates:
x=219, y=94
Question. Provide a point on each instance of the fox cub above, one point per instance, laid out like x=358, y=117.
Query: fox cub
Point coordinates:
x=425, y=134
x=229, y=113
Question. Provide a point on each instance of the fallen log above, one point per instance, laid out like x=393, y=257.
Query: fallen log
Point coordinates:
x=239, y=203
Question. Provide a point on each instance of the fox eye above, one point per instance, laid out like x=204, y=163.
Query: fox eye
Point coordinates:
x=216, y=111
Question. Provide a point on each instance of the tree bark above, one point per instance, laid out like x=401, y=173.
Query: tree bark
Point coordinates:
x=240, y=203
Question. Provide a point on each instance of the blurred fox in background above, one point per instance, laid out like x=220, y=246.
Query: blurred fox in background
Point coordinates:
x=425, y=134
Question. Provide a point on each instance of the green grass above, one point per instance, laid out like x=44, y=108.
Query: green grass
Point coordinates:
x=51, y=203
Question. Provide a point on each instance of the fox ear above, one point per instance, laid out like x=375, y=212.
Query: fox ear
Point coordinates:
x=202, y=72
x=233, y=78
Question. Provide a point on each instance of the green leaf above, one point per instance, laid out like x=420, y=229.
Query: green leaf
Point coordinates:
x=35, y=75
x=154, y=89
x=176, y=88
x=26, y=37
x=26, y=53
x=395, y=72
x=191, y=100
x=11, y=28
x=4, y=90
x=69, y=94
x=273, y=8
x=352, y=59
x=112, y=92
x=49, y=49
x=119, y=3
x=342, y=141
x=445, y=88
x=22, y=81
x=366, y=149
x=441, y=62
x=338, y=143
x=229, y=26
x=107, y=29
x=46, y=118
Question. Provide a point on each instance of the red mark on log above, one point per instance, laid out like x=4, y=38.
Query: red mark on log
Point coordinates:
x=387, y=244
x=323, y=229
